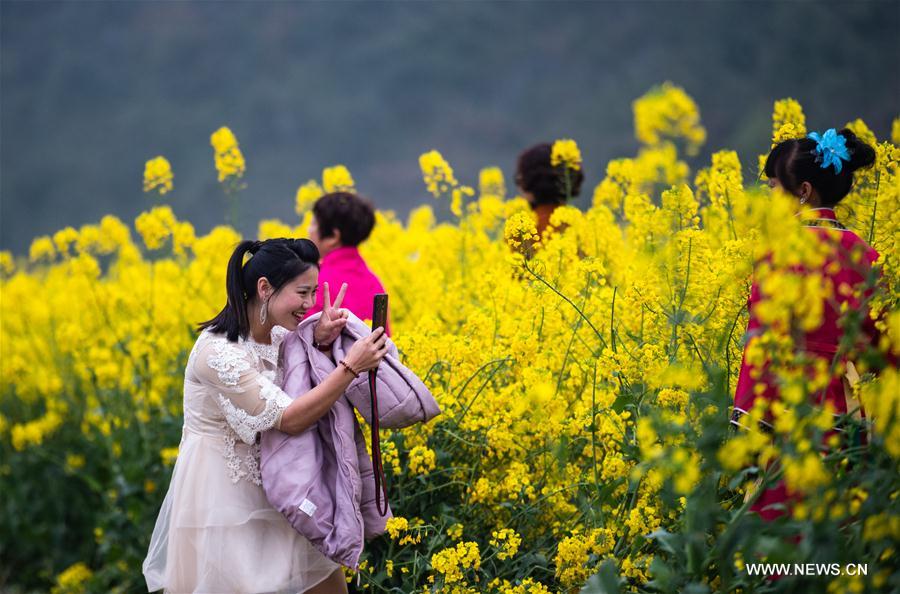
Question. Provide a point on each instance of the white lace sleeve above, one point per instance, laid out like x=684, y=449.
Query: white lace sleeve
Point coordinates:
x=250, y=401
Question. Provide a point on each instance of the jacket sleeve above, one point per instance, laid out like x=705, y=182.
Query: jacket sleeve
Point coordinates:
x=250, y=401
x=296, y=372
x=403, y=399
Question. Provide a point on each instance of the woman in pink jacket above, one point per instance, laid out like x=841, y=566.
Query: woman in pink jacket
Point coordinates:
x=341, y=222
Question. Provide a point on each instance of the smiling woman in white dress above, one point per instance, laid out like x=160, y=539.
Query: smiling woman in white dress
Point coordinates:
x=216, y=532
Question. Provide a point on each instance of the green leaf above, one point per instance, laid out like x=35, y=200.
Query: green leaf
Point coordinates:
x=740, y=477
x=669, y=542
x=605, y=581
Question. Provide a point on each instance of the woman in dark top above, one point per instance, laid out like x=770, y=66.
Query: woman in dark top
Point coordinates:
x=544, y=186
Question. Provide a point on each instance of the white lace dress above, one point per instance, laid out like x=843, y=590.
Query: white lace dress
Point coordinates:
x=216, y=532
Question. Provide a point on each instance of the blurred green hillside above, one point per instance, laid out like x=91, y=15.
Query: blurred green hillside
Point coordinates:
x=91, y=90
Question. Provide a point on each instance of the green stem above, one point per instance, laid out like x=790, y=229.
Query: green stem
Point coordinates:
x=874, y=208
x=478, y=393
x=594, y=431
x=567, y=300
x=612, y=321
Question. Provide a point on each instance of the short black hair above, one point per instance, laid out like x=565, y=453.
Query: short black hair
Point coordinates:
x=535, y=174
x=349, y=213
x=793, y=162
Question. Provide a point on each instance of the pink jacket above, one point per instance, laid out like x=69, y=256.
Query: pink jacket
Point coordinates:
x=322, y=480
x=346, y=265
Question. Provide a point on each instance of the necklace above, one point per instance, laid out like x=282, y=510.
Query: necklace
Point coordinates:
x=829, y=223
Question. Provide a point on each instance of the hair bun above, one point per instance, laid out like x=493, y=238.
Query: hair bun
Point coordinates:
x=305, y=249
x=861, y=153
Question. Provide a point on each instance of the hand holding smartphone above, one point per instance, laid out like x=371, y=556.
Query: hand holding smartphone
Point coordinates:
x=379, y=310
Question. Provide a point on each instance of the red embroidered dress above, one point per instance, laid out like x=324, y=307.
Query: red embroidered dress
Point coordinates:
x=847, y=267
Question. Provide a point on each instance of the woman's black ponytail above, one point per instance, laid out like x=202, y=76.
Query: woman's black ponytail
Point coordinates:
x=279, y=260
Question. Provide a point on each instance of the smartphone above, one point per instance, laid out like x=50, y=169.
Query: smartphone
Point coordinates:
x=379, y=310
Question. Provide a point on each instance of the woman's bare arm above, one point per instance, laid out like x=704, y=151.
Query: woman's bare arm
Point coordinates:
x=305, y=410
x=310, y=407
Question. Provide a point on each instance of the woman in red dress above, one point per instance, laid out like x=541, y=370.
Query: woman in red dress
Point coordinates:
x=818, y=170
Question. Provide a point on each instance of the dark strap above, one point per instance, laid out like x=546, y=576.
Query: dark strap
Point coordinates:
x=380, y=483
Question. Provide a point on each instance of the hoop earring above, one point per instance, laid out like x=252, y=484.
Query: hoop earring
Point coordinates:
x=263, y=312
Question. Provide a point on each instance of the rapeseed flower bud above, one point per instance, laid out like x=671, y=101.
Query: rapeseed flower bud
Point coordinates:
x=155, y=226
x=667, y=112
x=565, y=153
x=491, y=182
x=787, y=118
x=307, y=194
x=228, y=157
x=337, y=179
x=158, y=175
x=507, y=541
x=437, y=173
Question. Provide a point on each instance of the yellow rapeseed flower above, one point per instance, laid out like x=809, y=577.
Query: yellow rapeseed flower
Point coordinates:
x=437, y=173
x=421, y=460
x=337, y=179
x=7, y=263
x=307, y=194
x=565, y=152
x=155, y=226
x=788, y=120
x=396, y=525
x=168, y=456
x=491, y=182
x=228, y=157
x=42, y=248
x=668, y=112
x=507, y=541
x=63, y=239
x=72, y=580
x=74, y=462
x=158, y=175
x=453, y=562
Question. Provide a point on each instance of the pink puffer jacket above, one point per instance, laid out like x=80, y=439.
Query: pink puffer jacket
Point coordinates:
x=322, y=479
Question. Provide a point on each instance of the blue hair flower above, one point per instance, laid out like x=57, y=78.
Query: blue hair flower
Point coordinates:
x=831, y=148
